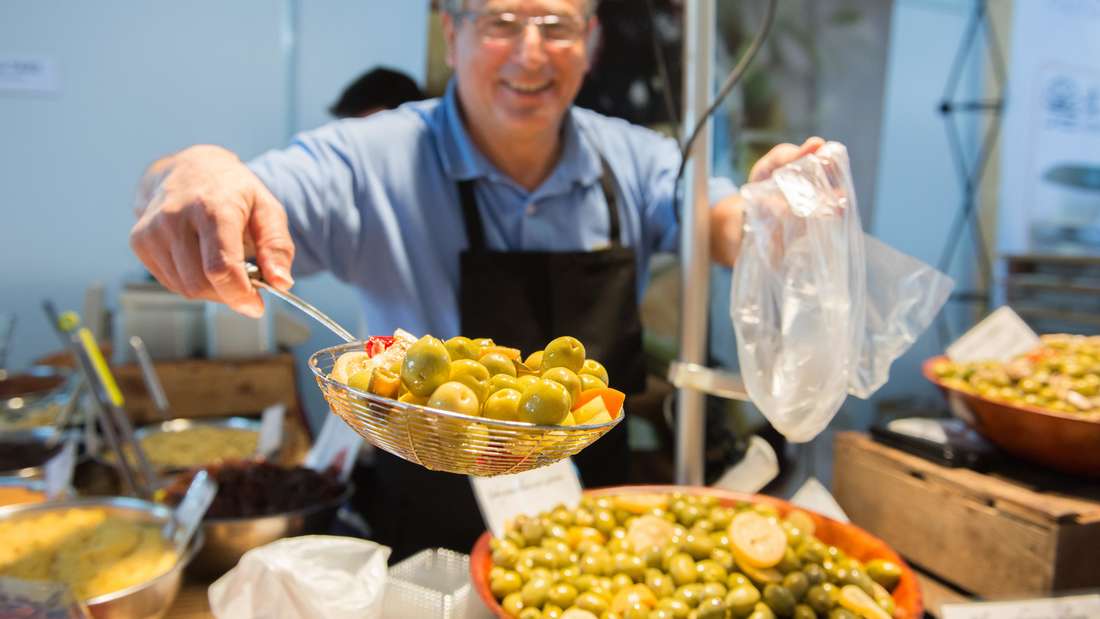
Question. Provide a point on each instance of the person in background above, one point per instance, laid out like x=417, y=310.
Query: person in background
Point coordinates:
x=374, y=91
x=499, y=210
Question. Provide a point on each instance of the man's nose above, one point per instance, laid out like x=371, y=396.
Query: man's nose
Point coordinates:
x=531, y=51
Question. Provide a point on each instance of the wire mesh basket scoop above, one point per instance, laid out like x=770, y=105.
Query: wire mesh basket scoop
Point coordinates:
x=437, y=439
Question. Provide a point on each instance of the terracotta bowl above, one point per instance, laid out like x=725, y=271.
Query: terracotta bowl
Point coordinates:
x=1062, y=441
x=854, y=541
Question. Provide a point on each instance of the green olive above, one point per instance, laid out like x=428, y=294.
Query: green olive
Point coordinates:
x=761, y=611
x=566, y=378
x=677, y=607
x=710, y=571
x=562, y=594
x=711, y=608
x=535, y=591
x=596, y=563
x=591, y=602
x=529, y=613
x=473, y=375
x=427, y=365
x=822, y=597
x=620, y=582
x=565, y=351
x=815, y=574
x=591, y=367
x=505, y=556
x=502, y=405
x=797, y=584
x=544, y=403
x=721, y=517
x=698, y=544
x=737, y=579
x=526, y=381
x=723, y=557
x=803, y=611
x=682, y=569
x=459, y=347
x=842, y=613
x=789, y=563
x=512, y=603
x=779, y=599
x=455, y=396
x=660, y=583
x=532, y=531
x=885, y=573
x=714, y=590
x=590, y=382
x=812, y=551
x=742, y=600
x=533, y=361
x=690, y=594
x=497, y=363
x=631, y=565
x=508, y=582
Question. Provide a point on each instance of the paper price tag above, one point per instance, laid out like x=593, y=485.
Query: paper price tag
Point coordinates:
x=200, y=494
x=1070, y=607
x=1001, y=336
x=759, y=466
x=271, y=430
x=337, y=446
x=503, y=497
x=817, y=498
x=59, y=470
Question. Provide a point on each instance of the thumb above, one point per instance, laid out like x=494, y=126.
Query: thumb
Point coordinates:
x=267, y=225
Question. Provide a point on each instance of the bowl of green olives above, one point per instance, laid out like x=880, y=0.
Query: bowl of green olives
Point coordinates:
x=674, y=552
x=469, y=406
x=1043, y=406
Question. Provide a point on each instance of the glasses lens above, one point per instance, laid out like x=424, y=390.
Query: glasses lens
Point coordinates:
x=499, y=25
x=561, y=29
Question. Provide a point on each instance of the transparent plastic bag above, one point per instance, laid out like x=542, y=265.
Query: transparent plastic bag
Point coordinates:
x=309, y=576
x=819, y=309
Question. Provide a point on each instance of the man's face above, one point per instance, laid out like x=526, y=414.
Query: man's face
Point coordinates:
x=521, y=84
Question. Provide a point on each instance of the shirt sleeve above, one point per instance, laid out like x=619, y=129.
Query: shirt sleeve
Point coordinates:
x=316, y=179
x=662, y=229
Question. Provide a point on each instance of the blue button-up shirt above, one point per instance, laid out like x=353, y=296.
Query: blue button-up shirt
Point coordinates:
x=375, y=202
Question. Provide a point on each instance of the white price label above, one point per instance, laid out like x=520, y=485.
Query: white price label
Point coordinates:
x=336, y=446
x=759, y=466
x=1001, y=336
x=59, y=470
x=200, y=494
x=503, y=497
x=271, y=430
x=1070, y=607
x=816, y=497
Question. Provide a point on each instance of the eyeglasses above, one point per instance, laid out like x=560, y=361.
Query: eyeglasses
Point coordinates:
x=557, y=30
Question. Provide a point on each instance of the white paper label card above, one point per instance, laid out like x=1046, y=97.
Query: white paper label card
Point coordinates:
x=1001, y=336
x=271, y=430
x=503, y=497
x=337, y=446
x=1069, y=607
x=59, y=470
x=25, y=73
x=759, y=466
x=816, y=497
x=200, y=494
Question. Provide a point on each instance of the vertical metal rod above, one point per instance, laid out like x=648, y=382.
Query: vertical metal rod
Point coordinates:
x=699, y=19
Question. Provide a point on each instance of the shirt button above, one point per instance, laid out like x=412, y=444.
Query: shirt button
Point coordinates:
x=531, y=209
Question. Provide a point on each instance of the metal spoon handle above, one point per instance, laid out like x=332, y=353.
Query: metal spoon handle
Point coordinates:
x=293, y=299
x=149, y=373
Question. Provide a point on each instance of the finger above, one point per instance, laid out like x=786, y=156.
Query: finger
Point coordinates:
x=810, y=146
x=778, y=156
x=274, y=247
x=153, y=253
x=188, y=262
x=221, y=251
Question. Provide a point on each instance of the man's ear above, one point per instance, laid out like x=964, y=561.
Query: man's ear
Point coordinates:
x=449, y=38
x=593, y=41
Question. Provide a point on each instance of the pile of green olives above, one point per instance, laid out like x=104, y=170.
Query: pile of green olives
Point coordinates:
x=680, y=556
x=476, y=377
x=1062, y=375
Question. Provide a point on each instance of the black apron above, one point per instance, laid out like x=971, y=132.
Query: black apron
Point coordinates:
x=523, y=300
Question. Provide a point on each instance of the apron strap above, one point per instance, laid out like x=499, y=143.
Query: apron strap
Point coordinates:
x=475, y=232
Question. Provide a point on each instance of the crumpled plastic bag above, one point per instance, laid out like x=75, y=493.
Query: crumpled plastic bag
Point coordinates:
x=304, y=577
x=820, y=309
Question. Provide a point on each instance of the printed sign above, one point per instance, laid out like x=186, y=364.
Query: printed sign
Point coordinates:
x=503, y=497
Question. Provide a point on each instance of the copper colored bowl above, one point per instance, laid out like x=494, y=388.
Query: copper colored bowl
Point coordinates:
x=853, y=540
x=1065, y=442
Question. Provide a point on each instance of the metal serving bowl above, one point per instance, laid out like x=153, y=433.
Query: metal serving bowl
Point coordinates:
x=180, y=425
x=32, y=399
x=33, y=485
x=227, y=539
x=446, y=441
x=33, y=436
x=147, y=600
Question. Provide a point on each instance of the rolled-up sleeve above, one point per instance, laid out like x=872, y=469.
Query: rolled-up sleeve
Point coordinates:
x=316, y=179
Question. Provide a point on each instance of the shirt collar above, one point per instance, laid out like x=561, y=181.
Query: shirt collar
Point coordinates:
x=580, y=161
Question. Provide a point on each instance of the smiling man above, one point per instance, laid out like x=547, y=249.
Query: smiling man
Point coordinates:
x=499, y=210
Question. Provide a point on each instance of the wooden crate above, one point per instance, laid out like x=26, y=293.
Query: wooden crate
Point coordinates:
x=993, y=535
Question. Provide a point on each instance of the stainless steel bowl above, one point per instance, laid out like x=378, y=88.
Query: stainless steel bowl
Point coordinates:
x=147, y=600
x=227, y=539
x=181, y=424
x=34, y=485
x=32, y=399
x=31, y=436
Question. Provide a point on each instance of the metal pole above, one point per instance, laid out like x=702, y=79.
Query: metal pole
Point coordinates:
x=699, y=21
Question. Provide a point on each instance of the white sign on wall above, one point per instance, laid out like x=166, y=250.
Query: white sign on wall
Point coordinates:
x=31, y=74
x=1050, y=176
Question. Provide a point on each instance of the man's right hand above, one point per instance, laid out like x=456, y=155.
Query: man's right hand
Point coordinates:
x=198, y=212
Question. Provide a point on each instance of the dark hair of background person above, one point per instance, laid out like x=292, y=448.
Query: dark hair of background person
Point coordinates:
x=377, y=89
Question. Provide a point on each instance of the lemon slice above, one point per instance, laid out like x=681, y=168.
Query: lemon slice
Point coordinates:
x=757, y=540
x=349, y=363
x=648, y=531
x=856, y=600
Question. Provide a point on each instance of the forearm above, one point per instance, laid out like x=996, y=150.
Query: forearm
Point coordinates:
x=727, y=218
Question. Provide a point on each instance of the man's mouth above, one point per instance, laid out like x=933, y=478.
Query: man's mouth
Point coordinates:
x=528, y=88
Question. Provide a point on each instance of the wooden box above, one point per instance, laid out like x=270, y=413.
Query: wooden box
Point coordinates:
x=1008, y=533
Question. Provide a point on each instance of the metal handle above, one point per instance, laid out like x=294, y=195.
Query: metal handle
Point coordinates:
x=149, y=374
x=293, y=299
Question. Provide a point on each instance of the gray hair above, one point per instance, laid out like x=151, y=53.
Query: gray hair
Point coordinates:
x=455, y=7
